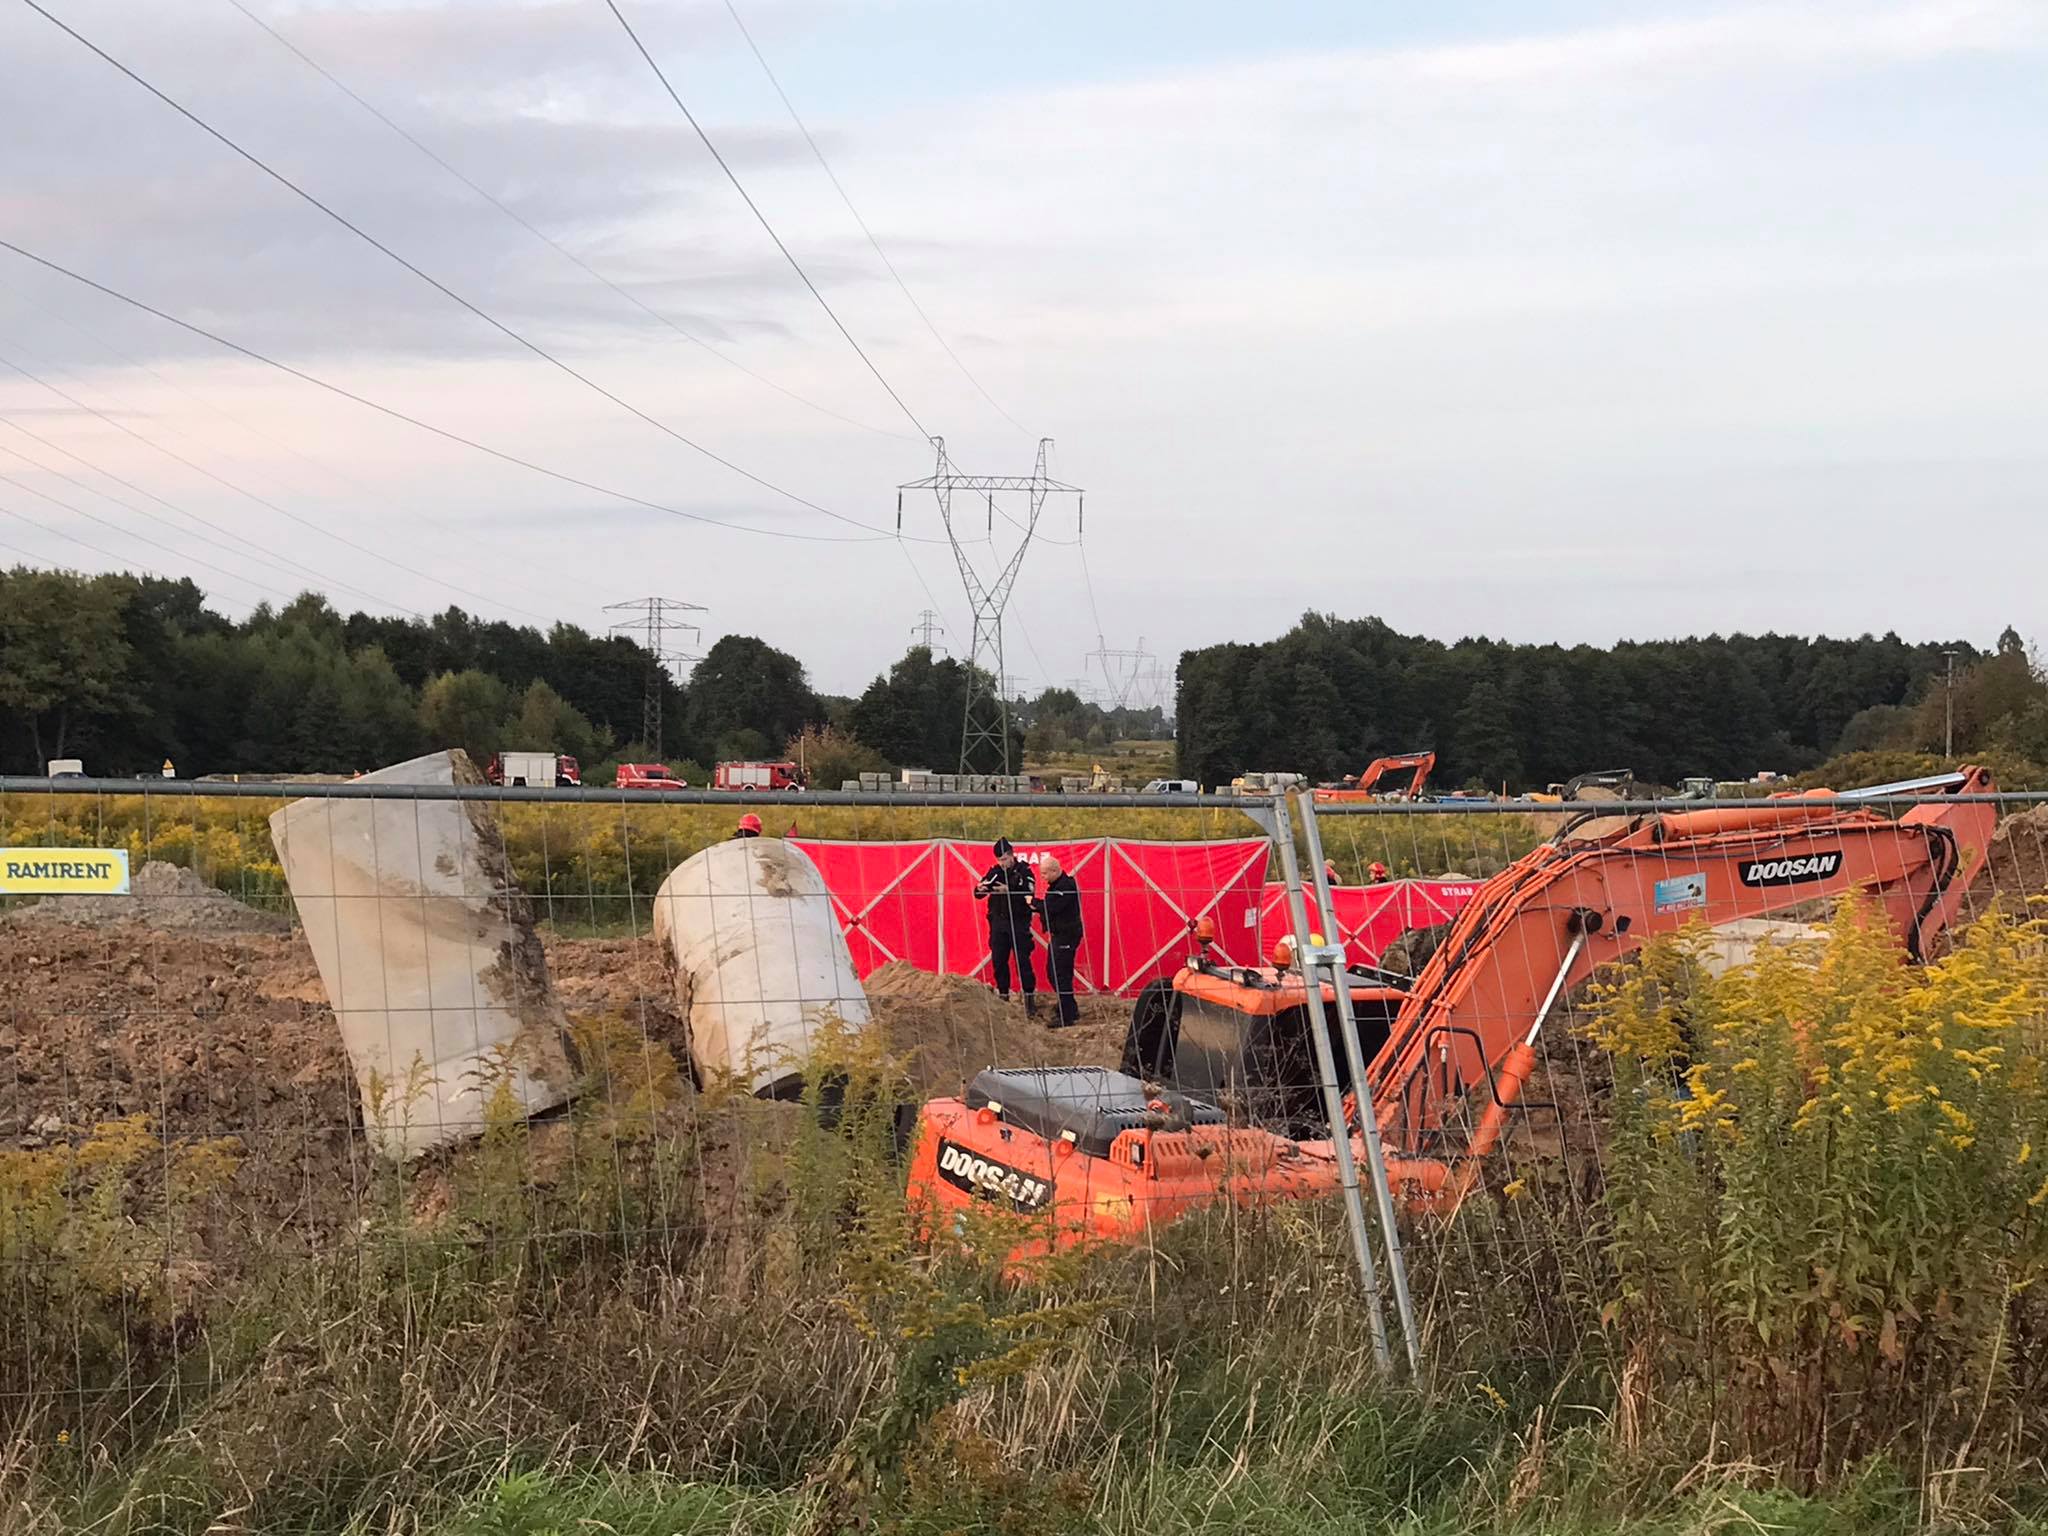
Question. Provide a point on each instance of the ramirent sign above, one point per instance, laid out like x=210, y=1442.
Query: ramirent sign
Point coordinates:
x=63, y=871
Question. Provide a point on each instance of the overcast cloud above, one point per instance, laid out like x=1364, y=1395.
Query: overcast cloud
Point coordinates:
x=1562, y=322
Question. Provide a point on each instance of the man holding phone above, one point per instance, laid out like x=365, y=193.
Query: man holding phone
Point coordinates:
x=1010, y=888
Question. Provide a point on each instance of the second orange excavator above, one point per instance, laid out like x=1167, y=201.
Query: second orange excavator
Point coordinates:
x=1219, y=1093
x=1366, y=785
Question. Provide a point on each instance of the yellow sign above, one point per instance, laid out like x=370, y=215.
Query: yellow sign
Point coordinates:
x=63, y=871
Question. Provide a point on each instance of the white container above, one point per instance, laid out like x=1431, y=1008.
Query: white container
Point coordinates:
x=428, y=956
x=760, y=964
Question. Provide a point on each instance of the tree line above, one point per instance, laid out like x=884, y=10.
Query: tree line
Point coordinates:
x=1332, y=694
x=126, y=671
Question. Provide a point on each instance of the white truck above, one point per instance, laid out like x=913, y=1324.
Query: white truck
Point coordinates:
x=535, y=770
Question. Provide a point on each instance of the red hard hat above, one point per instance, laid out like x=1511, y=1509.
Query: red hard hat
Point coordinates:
x=1378, y=870
x=750, y=822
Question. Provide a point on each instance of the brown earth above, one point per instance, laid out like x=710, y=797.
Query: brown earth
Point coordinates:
x=160, y=895
x=2017, y=866
x=215, y=1032
x=944, y=1029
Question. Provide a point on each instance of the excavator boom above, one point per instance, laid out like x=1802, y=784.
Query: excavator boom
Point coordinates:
x=1545, y=924
x=1109, y=1154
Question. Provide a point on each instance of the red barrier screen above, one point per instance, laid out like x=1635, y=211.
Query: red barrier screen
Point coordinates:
x=1370, y=917
x=914, y=902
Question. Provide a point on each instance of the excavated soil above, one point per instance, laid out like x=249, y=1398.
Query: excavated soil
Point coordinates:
x=225, y=1033
x=210, y=1034
x=159, y=896
x=217, y=1032
x=944, y=1029
x=2017, y=866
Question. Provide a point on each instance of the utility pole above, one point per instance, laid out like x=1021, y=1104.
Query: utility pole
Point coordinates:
x=651, y=625
x=927, y=628
x=1948, y=708
x=987, y=597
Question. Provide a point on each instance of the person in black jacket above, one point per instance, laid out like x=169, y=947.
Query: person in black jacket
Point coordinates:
x=1060, y=910
x=1009, y=888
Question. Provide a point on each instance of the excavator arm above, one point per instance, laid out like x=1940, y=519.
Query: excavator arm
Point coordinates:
x=1423, y=763
x=1468, y=1027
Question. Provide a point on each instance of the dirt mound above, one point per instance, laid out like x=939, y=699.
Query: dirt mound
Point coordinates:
x=622, y=979
x=947, y=1028
x=211, y=1036
x=2017, y=866
x=160, y=896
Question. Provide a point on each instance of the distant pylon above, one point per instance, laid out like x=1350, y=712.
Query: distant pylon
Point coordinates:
x=987, y=597
x=926, y=628
x=652, y=626
x=1122, y=671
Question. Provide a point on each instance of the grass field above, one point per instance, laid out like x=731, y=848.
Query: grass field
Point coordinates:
x=1800, y=1292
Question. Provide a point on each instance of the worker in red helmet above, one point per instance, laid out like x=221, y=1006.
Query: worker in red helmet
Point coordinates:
x=750, y=826
x=1377, y=872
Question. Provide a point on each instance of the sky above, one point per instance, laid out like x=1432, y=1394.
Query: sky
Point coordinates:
x=1546, y=321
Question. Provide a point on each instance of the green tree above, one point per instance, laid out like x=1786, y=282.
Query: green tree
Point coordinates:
x=466, y=709
x=545, y=721
x=63, y=657
x=379, y=721
x=1483, y=737
x=746, y=685
x=831, y=756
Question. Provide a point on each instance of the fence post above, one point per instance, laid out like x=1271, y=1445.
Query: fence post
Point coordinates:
x=1333, y=1101
x=1368, y=1118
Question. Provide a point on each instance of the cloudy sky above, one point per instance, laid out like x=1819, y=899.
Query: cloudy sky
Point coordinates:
x=1544, y=321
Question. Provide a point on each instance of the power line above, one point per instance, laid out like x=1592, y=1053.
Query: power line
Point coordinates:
x=794, y=264
x=274, y=441
x=129, y=533
x=847, y=199
x=877, y=534
x=435, y=283
x=269, y=505
x=544, y=237
x=123, y=561
x=289, y=569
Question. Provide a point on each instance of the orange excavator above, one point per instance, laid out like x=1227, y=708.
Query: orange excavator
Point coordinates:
x=1218, y=1094
x=1364, y=787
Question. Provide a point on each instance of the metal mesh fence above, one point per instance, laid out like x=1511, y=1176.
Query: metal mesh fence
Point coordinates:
x=330, y=1037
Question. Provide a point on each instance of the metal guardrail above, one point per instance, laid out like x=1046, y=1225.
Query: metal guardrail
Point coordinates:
x=1046, y=800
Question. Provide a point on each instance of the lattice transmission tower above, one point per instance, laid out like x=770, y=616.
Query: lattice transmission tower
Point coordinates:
x=1122, y=671
x=651, y=626
x=927, y=629
x=987, y=597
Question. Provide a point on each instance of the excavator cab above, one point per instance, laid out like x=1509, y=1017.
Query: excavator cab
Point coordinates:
x=1238, y=1036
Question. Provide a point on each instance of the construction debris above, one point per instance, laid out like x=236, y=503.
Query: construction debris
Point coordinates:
x=429, y=957
x=760, y=966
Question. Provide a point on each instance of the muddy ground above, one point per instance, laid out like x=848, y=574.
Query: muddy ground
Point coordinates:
x=221, y=1028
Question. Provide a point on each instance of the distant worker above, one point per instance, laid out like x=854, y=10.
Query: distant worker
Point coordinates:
x=750, y=826
x=1376, y=873
x=1060, y=910
x=1330, y=872
x=1009, y=888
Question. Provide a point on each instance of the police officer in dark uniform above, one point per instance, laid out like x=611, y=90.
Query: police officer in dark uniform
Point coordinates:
x=1060, y=910
x=1009, y=888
